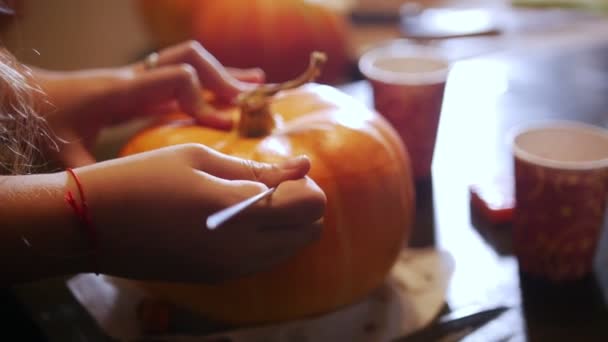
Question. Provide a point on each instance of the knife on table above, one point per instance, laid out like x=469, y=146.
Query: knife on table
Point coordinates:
x=455, y=323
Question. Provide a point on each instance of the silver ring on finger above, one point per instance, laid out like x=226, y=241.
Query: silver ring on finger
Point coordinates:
x=151, y=61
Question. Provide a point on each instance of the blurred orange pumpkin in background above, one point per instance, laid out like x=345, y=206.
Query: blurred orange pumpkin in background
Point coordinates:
x=359, y=162
x=167, y=21
x=277, y=36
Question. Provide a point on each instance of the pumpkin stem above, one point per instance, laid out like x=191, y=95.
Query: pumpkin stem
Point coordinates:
x=256, y=118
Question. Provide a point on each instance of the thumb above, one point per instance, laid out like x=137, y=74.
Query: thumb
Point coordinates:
x=234, y=168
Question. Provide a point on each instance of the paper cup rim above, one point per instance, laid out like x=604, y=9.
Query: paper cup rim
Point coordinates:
x=370, y=71
x=522, y=154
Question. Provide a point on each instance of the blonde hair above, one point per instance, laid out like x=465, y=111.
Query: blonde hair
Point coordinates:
x=23, y=132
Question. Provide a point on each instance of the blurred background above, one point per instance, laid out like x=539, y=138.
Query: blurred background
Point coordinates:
x=275, y=35
x=72, y=34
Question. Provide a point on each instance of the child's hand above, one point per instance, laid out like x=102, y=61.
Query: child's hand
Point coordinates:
x=150, y=211
x=84, y=102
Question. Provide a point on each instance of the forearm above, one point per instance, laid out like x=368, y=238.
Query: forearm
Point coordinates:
x=77, y=105
x=39, y=234
x=78, y=90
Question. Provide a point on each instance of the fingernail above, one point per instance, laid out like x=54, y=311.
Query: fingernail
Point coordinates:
x=257, y=75
x=293, y=163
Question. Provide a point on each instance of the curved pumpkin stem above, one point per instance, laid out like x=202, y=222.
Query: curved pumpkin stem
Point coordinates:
x=317, y=59
x=256, y=118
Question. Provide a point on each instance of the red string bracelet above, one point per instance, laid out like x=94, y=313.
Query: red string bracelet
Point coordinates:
x=84, y=216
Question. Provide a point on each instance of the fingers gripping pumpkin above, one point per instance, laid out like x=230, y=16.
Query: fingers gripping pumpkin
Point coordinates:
x=357, y=159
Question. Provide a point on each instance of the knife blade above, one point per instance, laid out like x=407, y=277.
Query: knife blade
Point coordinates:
x=222, y=216
x=455, y=323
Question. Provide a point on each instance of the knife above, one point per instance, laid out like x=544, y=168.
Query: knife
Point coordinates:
x=455, y=323
x=222, y=216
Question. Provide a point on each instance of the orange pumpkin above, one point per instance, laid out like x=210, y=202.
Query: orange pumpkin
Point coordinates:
x=360, y=163
x=277, y=36
x=167, y=21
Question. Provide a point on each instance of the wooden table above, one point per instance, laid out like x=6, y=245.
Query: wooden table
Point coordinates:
x=564, y=76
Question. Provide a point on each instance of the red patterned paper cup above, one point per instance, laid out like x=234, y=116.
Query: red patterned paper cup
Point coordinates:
x=561, y=183
x=408, y=86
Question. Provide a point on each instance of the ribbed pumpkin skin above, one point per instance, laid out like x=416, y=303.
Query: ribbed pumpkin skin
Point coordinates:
x=362, y=166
